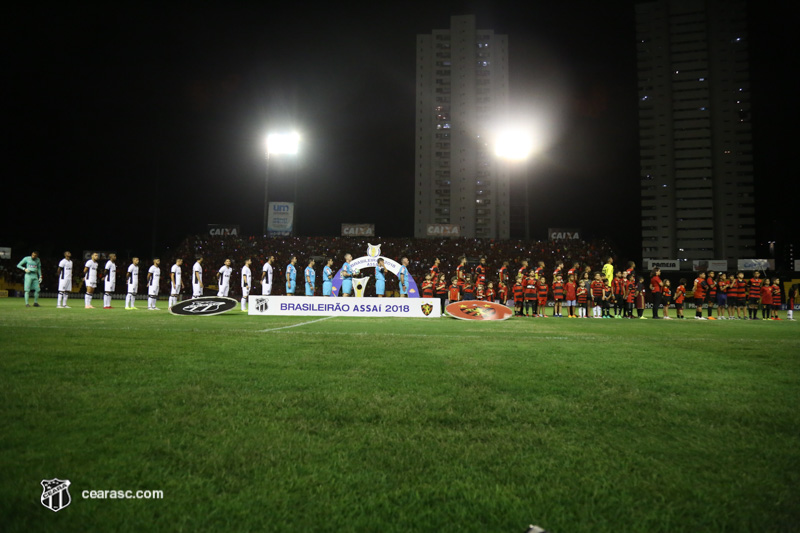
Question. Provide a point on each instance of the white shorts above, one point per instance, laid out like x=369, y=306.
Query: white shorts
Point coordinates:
x=223, y=290
x=109, y=286
x=65, y=285
x=197, y=291
x=245, y=292
x=133, y=288
x=152, y=290
x=175, y=291
x=92, y=284
x=266, y=289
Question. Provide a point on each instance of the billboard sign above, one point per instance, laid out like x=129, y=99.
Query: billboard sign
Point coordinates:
x=756, y=264
x=663, y=264
x=444, y=230
x=223, y=230
x=343, y=307
x=87, y=254
x=358, y=230
x=564, y=234
x=720, y=265
x=280, y=219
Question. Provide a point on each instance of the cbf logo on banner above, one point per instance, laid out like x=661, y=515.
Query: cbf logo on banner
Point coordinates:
x=280, y=219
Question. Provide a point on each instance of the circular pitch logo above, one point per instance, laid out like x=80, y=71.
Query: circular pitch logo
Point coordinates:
x=478, y=310
x=213, y=305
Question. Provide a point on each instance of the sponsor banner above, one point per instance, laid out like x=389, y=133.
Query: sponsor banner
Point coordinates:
x=756, y=264
x=5, y=253
x=663, y=264
x=361, y=307
x=720, y=265
x=444, y=230
x=796, y=262
x=564, y=234
x=87, y=254
x=223, y=230
x=478, y=310
x=358, y=230
x=280, y=219
x=208, y=306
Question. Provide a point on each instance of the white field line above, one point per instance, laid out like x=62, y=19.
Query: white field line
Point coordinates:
x=296, y=325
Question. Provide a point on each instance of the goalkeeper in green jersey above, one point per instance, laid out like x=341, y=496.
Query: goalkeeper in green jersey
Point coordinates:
x=32, y=267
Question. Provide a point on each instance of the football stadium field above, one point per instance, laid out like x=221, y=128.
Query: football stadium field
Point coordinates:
x=346, y=424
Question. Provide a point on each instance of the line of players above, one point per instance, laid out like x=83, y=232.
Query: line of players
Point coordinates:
x=610, y=290
x=92, y=275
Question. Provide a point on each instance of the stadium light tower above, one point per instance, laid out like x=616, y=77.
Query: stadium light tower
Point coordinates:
x=517, y=145
x=277, y=144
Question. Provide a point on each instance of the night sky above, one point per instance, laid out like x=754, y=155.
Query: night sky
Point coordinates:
x=117, y=114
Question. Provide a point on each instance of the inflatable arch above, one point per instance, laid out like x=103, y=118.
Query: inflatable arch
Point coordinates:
x=371, y=261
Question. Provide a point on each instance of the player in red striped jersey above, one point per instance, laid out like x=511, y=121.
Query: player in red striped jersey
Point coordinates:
x=541, y=296
x=699, y=292
x=666, y=297
x=596, y=290
x=680, y=296
x=490, y=294
x=776, y=298
x=618, y=287
x=454, y=291
x=530, y=295
x=519, y=295
x=427, y=286
x=502, y=274
x=766, y=300
x=711, y=293
x=583, y=299
x=571, y=295
x=461, y=271
x=754, y=294
x=435, y=269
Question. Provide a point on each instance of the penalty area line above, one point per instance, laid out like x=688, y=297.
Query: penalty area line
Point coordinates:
x=296, y=325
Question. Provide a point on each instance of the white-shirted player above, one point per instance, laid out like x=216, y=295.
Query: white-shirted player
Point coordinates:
x=109, y=280
x=133, y=284
x=64, y=280
x=90, y=278
x=247, y=282
x=197, y=278
x=153, y=282
x=224, y=278
x=176, y=282
x=266, y=276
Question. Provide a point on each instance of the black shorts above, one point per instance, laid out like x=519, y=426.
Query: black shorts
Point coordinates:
x=754, y=301
x=698, y=302
x=679, y=306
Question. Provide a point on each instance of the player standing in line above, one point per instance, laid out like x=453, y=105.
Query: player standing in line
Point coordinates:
x=480, y=272
x=608, y=298
x=347, y=277
x=327, y=277
x=467, y=289
x=523, y=270
x=153, y=284
x=558, y=295
x=64, y=274
x=32, y=266
x=197, y=278
x=559, y=270
x=722, y=295
x=776, y=298
x=755, y=294
x=792, y=298
x=680, y=296
x=502, y=292
x=502, y=277
x=380, y=278
x=441, y=290
x=666, y=297
x=656, y=285
x=539, y=272
x=132, y=279
x=640, y=297
x=574, y=271
x=490, y=294
x=266, y=276
x=90, y=279
x=711, y=294
x=461, y=271
x=480, y=292
x=618, y=286
x=247, y=282
x=175, y=282
x=109, y=280
x=403, y=276
x=310, y=277
x=630, y=296
x=291, y=276
x=699, y=290
x=224, y=279
x=435, y=269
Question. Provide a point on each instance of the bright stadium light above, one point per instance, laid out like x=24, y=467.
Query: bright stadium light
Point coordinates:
x=283, y=143
x=279, y=144
x=514, y=144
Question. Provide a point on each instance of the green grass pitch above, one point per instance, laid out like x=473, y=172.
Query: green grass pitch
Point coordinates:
x=398, y=424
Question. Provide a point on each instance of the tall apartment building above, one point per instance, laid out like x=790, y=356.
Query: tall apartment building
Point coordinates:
x=462, y=86
x=695, y=134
